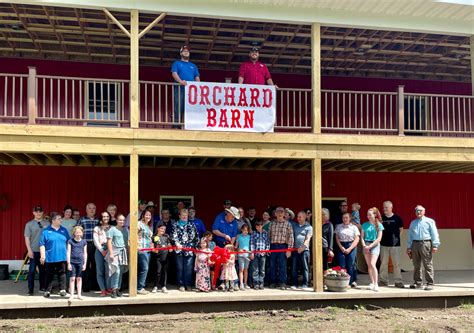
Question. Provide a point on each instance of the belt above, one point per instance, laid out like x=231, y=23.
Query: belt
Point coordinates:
x=423, y=240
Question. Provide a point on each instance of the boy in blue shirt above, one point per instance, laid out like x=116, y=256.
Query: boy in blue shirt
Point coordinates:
x=182, y=71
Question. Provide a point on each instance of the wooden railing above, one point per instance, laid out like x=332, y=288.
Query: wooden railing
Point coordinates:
x=58, y=100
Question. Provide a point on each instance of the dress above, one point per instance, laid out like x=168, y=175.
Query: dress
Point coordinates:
x=228, y=270
x=203, y=273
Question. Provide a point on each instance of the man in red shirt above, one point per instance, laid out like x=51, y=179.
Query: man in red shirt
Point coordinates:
x=253, y=71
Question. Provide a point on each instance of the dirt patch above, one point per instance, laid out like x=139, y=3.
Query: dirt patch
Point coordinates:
x=460, y=319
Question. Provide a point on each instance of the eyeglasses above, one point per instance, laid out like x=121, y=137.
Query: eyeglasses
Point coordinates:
x=40, y=225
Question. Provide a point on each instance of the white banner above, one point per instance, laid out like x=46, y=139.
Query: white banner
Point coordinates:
x=229, y=107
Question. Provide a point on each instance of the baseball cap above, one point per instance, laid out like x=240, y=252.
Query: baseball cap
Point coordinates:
x=184, y=47
x=38, y=209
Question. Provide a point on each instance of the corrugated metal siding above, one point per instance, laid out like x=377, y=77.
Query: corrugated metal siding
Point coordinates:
x=447, y=197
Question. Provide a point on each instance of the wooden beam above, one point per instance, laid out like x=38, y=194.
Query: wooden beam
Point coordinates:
x=186, y=161
x=217, y=162
x=233, y=162
x=105, y=159
x=6, y=159
x=122, y=161
x=55, y=159
x=316, y=75
x=18, y=157
x=112, y=17
x=134, y=70
x=87, y=159
x=247, y=163
x=279, y=163
x=72, y=159
x=37, y=159
x=471, y=39
x=133, y=256
x=317, y=249
x=262, y=163
x=170, y=162
x=203, y=161
x=151, y=25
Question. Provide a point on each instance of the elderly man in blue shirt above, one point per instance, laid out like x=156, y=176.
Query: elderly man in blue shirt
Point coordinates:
x=226, y=229
x=423, y=241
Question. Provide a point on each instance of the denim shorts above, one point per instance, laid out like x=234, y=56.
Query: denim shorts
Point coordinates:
x=76, y=270
x=244, y=262
x=375, y=251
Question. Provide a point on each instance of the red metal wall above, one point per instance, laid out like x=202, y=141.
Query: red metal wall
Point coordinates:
x=112, y=71
x=447, y=197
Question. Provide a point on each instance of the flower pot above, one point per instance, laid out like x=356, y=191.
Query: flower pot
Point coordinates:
x=337, y=284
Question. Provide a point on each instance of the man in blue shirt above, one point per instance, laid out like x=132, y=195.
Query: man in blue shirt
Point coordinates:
x=182, y=71
x=200, y=227
x=226, y=229
x=423, y=241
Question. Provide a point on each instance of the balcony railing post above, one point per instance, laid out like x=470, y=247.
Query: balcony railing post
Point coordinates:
x=401, y=110
x=316, y=75
x=31, y=91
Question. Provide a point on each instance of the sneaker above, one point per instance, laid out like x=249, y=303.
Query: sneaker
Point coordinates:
x=113, y=294
x=30, y=292
x=231, y=289
x=247, y=286
x=399, y=285
x=62, y=293
x=272, y=286
x=256, y=287
x=262, y=287
x=416, y=286
x=429, y=287
x=383, y=284
x=304, y=287
x=104, y=293
x=154, y=290
x=242, y=287
x=164, y=290
x=188, y=288
x=282, y=287
x=293, y=287
x=376, y=287
x=181, y=288
x=370, y=287
x=119, y=293
x=143, y=292
x=236, y=288
x=46, y=294
x=354, y=284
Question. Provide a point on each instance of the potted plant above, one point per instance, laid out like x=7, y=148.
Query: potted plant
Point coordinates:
x=336, y=279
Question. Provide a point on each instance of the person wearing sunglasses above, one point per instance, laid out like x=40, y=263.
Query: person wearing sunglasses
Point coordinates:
x=32, y=233
x=423, y=241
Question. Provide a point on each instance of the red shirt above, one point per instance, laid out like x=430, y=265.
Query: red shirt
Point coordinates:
x=254, y=73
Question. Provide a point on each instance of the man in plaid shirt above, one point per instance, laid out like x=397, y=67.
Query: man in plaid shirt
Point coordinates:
x=259, y=240
x=281, y=237
x=88, y=223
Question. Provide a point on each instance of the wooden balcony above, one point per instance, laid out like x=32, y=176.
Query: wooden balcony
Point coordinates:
x=78, y=101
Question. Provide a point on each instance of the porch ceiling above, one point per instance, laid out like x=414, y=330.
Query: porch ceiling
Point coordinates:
x=230, y=163
x=75, y=34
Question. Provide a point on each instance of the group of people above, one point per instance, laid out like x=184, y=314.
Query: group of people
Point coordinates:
x=380, y=237
x=175, y=247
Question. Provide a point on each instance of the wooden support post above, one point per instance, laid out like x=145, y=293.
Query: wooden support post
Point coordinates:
x=134, y=79
x=31, y=91
x=472, y=65
x=317, y=253
x=132, y=262
x=401, y=110
x=316, y=75
x=151, y=25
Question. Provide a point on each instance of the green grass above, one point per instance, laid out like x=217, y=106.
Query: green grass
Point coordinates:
x=466, y=306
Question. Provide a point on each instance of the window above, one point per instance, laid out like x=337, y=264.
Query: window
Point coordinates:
x=102, y=102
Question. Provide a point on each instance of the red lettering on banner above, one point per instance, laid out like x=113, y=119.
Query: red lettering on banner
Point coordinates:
x=223, y=119
x=211, y=117
x=235, y=119
x=267, y=98
x=215, y=101
x=248, y=118
x=254, y=92
x=229, y=95
x=204, y=95
x=192, y=94
x=243, y=97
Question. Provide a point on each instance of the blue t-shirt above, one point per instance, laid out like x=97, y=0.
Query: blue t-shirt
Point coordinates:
x=370, y=232
x=300, y=233
x=225, y=227
x=77, y=250
x=54, y=242
x=200, y=227
x=244, y=242
x=186, y=70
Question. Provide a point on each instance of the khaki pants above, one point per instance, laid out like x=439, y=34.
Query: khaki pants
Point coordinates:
x=421, y=254
x=385, y=253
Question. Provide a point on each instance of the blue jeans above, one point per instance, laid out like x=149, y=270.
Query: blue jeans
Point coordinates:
x=184, y=270
x=278, y=264
x=116, y=278
x=143, y=261
x=35, y=262
x=300, y=261
x=178, y=115
x=347, y=261
x=258, y=269
x=102, y=270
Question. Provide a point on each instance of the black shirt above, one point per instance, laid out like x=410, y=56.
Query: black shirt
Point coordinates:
x=328, y=236
x=391, y=232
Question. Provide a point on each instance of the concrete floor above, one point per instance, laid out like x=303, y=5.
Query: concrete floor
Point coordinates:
x=448, y=284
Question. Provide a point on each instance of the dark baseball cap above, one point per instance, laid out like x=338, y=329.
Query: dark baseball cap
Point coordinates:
x=227, y=202
x=38, y=209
